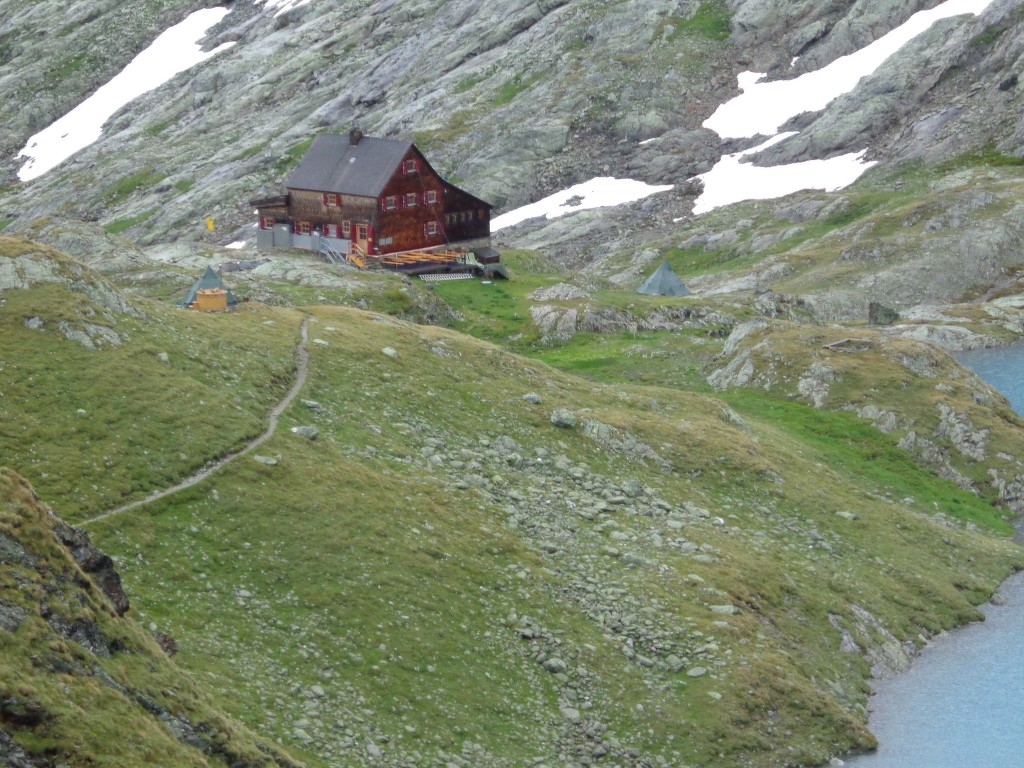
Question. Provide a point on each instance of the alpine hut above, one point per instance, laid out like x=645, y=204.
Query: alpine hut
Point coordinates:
x=664, y=282
x=211, y=290
x=356, y=195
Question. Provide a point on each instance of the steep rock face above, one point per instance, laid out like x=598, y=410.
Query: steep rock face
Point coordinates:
x=938, y=97
x=81, y=684
x=94, y=562
x=817, y=32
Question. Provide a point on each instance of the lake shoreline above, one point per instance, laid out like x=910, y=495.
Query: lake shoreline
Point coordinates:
x=1005, y=606
x=895, y=707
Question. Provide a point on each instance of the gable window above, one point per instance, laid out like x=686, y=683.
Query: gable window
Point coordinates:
x=409, y=166
x=431, y=196
x=410, y=200
x=390, y=203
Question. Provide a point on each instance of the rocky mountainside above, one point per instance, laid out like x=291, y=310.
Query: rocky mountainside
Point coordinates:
x=512, y=101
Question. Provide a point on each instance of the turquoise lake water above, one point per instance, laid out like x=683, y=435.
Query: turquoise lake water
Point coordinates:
x=961, y=705
x=1003, y=368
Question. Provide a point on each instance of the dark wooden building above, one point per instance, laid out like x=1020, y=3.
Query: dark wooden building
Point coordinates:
x=363, y=196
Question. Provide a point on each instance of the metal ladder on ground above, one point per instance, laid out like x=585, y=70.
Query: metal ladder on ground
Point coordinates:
x=330, y=254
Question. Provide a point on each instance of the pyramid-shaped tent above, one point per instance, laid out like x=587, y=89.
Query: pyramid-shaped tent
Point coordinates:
x=664, y=282
x=209, y=280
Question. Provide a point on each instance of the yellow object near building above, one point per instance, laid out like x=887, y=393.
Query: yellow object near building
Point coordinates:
x=212, y=300
x=209, y=224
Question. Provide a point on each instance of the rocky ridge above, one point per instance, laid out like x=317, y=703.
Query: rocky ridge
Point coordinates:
x=950, y=426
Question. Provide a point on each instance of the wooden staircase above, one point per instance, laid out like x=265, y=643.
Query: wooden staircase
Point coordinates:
x=359, y=257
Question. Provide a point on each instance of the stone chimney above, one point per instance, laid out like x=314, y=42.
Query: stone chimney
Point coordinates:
x=354, y=136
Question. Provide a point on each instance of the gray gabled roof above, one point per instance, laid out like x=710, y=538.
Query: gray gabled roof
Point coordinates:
x=664, y=282
x=334, y=164
x=210, y=279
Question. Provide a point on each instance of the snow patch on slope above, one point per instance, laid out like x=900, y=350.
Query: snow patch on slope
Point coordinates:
x=597, y=193
x=763, y=107
x=282, y=6
x=174, y=51
x=732, y=180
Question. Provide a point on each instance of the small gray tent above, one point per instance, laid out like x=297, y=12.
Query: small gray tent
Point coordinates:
x=209, y=280
x=664, y=282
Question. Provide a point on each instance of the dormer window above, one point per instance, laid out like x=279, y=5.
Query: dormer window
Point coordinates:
x=409, y=166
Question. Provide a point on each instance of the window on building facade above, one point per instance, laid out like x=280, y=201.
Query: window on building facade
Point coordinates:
x=302, y=227
x=346, y=228
x=409, y=166
x=332, y=199
x=431, y=196
x=410, y=200
x=267, y=222
x=390, y=203
x=432, y=228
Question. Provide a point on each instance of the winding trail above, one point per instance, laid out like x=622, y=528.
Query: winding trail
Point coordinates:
x=302, y=355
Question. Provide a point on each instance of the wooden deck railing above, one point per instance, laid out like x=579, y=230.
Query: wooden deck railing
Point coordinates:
x=406, y=260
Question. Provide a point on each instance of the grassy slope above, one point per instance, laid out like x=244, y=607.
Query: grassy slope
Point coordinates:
x=374, y=586
x=64, y=703
x=913, y=381
x=118, y=422
x=402, y=603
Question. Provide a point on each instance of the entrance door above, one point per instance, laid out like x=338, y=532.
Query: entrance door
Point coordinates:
x=362, y=237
